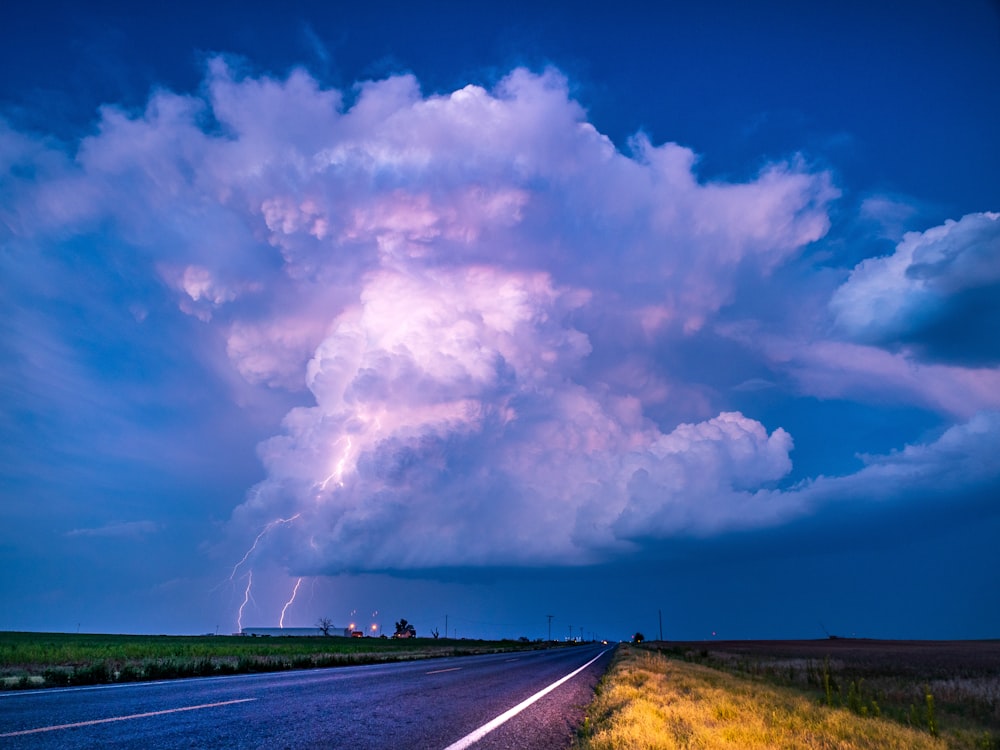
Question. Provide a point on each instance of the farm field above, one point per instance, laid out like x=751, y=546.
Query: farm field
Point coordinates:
x=837, y=693
x=31, y=660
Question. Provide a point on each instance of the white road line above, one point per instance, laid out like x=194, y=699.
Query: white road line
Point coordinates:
x=124, y=718
x=439, y=671
x=485, y=729
x=7, y=694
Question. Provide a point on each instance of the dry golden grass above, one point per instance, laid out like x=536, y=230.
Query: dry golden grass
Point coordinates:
x=962, y=676
x=649, y=701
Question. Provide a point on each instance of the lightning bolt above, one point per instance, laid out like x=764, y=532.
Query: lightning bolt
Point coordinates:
x=256, y=541
x=337, y=475
x=246, y=598
x=246, y=556
x=338, y=470
x=281, y=621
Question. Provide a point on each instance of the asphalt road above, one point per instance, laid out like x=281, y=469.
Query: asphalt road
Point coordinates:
x=424, y=705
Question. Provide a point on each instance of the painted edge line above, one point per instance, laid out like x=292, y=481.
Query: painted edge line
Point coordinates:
x=439, y=671
x=124, y=718
x=488, y=727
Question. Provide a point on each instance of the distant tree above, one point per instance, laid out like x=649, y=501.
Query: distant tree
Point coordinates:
x=405, y=630
x=324, y=624
x=638, y=637
x=435, y=633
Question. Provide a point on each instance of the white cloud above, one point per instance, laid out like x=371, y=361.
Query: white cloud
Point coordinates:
x=447, y=431
x=837, y=369
x=959, y=463
x=937, y=293
x=435, y=271
x=701, y=479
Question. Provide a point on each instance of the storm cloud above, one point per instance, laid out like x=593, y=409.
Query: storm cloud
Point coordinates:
x=443, y=283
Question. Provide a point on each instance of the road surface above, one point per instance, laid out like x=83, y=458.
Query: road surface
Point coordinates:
x=479, y=702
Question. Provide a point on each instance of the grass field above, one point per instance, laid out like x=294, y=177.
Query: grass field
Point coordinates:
x=29, y=660
x=823, y=694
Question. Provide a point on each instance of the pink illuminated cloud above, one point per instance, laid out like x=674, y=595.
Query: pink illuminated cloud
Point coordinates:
x=446, y=284
x=835, y=369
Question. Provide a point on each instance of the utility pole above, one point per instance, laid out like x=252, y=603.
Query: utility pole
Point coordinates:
x=550, y=626
x=660, y=611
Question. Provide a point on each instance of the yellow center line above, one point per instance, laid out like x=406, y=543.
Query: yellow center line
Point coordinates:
x=124, y=718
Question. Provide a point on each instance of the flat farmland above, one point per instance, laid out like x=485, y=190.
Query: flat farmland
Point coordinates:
x=31, y=660
x=949, y=690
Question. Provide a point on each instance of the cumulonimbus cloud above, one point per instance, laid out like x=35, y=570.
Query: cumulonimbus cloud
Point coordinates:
x=455, y=240
x=438, y=278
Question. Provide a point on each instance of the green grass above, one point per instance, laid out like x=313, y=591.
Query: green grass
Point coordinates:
x=29, y=660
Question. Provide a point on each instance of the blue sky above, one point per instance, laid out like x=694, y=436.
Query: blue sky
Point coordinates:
x=501, y=311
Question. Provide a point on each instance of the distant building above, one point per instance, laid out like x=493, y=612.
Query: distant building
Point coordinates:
x=300, y=632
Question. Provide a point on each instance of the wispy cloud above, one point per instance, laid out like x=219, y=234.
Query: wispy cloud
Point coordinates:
x=959, y=463
x=118, y=529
